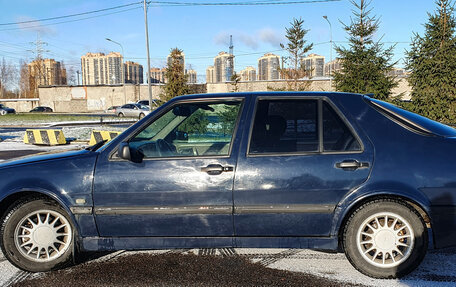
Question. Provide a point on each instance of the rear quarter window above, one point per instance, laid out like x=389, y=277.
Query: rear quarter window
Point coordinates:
x=412, y=121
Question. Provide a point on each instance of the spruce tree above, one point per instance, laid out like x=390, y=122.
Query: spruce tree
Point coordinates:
x=296, y=47
x=365, y=62
x=176, y=80
x=431, y=61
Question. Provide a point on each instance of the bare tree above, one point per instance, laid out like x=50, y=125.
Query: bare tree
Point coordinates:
x=7, y=74
x=24, y=80
x=71, y=76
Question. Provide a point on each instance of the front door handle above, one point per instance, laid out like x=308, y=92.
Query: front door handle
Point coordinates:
x=216, y=169
x=351, y=165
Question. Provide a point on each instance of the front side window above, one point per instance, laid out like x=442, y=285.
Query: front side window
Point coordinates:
x=190, y=130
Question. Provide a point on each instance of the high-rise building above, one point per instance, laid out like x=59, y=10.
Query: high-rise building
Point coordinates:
x=46, y=72
x=191, y=76
x=210, y=75
x=133, y=72
x=335, y=65
x=223, y=69
x=248, y=74
x=314, y=65
x=268, y=67
x=157, y=75
x=397, y=72
x=101, y=69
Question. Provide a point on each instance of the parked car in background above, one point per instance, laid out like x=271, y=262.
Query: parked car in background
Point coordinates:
x=132, y=110
x=41, y=109
x=155, y=103
x=329, y=171
x=111, y=110
x=5, y=110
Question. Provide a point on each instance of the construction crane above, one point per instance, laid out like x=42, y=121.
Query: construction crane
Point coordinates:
x=230, y=61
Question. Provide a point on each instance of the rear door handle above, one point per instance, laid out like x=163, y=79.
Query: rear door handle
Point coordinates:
x=216, y=169
x=351, y=164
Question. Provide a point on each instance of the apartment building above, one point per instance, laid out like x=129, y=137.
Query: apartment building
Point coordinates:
x=46, y=72
x=101, y=69
x=269, y=67
x=314, y=65
x=248, y=74
x=133, y=72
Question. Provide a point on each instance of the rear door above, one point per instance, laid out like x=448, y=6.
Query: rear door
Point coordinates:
x=300, y=158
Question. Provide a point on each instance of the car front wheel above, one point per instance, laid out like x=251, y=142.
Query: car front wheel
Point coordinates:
x=120, y=115
x=37, y=236
x=385, y=239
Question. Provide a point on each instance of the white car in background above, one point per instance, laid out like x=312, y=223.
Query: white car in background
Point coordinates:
x=133, y=110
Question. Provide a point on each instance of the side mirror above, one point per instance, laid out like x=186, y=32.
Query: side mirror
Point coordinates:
x=124, y=151
x=130, y=154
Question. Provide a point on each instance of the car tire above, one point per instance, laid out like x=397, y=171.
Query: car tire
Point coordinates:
x=382, y=250
x=37, y=235
x=141, y=115
x=120, y=115
x=2, y=112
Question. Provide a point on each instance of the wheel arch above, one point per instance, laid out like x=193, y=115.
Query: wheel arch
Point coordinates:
x=9, y=200
x=343, y=213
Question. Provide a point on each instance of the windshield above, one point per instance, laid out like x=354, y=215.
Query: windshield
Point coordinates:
x=415, y=121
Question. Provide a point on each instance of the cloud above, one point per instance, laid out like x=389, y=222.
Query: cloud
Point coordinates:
x=36, y=27
x=270, y=36
x=253, y=40
x=222, y=39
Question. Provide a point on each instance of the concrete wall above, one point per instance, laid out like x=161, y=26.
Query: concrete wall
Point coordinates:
x=98, y=98
x=20, y=105
x=310, y=85
x=93, y=98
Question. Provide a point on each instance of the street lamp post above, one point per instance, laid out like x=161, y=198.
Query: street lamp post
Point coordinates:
x=148, y=55
x=122, y=68
x=330, y=52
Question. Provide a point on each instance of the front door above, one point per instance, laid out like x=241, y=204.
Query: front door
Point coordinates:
x=301, y=159
x=183, y=184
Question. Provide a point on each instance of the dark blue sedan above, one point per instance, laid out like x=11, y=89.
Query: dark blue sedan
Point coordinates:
x=330, y=171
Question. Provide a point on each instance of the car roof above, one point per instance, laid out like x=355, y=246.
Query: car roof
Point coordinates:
x=265, y=94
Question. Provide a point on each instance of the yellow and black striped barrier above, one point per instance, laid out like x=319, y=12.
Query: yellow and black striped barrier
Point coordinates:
x=98, y=136
x=44, y=137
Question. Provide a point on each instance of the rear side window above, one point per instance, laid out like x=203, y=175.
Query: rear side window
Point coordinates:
x=285, y=126
x=336, y=135
x=294, y=125
x=412, y=121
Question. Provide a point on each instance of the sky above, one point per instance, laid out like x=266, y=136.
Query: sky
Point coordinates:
x=200, y=31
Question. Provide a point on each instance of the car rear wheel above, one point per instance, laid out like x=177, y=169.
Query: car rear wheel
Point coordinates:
x=2, y=112
x=385, y=239
x=141, y=115
x=37, y=236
